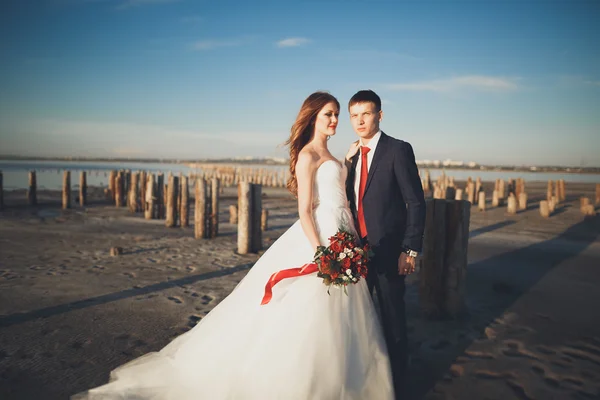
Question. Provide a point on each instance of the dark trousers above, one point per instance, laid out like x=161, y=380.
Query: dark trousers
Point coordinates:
x=389, y=285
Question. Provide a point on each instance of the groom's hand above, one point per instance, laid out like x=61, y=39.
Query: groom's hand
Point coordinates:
x=406, y=264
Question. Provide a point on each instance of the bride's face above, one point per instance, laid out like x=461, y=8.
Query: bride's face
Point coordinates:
x=327, y=120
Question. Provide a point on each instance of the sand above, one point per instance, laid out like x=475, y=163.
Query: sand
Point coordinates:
x=70, y=312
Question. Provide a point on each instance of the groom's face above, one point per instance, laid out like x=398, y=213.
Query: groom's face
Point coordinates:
x=365, y=119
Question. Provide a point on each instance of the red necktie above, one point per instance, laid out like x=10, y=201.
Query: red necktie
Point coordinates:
x=364, y=173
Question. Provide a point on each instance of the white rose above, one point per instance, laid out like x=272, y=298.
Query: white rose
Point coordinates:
x=342, y=256
x=350, y=254
x=354, y=279
x=348, y=272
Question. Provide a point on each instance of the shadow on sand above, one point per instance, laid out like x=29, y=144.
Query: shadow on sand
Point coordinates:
x=518, y=270
x=107, y=298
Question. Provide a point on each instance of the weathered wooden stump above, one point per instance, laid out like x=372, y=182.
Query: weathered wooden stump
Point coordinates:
x=264, y=220
x=214, y=208
x=495, y=198
x=512, y=204
x=184, y=213
x=481, y=201
x=119, y=188
x=200, y=231
x=32, y=190
x=522, y=201
x=133, y=193
x=149, y=197
x=66, y=191
x=544, y=209
x=459, y=194
x=444, y=261
x=549, y=191
x=597, y=194
x=583, y=203
x=552, y=204
x=82, y=188
x=160, y=196
x=244, y=217
x=589, y=210
x=256, y=232
x=563, y=190
x=172, y=190
x=116, y=251
x=233, y=214
x=471, y=192
x=112, y=179
x=1, y=190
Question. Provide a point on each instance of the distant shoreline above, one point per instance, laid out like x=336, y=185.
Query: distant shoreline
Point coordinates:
x=283, y=163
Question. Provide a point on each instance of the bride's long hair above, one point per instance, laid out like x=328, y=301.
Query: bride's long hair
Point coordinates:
x=303, y=131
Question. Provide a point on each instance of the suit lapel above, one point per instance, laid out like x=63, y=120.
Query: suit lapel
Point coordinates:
x=377, y=157
x=350, y=179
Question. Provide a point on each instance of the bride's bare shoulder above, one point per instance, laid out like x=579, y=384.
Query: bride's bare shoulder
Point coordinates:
x=307, y=160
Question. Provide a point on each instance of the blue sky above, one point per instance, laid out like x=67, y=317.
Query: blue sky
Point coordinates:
x=506, y=82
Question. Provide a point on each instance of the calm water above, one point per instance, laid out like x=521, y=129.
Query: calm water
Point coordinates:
x=49, y=173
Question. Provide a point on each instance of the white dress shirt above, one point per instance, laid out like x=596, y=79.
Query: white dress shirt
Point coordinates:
x=372, y=145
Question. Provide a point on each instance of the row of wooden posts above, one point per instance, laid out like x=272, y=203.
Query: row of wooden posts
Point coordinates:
x=517, y=199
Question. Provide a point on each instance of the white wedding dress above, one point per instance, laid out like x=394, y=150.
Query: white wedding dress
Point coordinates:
x=304, y=344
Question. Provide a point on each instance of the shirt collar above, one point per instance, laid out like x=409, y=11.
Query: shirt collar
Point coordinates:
x=373, y=143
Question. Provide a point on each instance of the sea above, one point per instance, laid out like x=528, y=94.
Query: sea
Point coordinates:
x=49, y=173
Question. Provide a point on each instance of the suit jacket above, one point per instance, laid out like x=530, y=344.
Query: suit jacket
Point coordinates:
x=393, y=202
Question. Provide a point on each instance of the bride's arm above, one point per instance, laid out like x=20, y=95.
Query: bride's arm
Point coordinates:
x=305, y=175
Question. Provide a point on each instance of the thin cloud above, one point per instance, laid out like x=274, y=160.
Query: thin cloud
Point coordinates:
x=474, y=82
x=292, y=42
x=592, y=83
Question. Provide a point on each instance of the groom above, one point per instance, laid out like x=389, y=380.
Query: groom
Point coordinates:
x=386, y=199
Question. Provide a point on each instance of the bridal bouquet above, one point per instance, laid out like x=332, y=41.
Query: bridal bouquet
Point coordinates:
x=340, y=263
x=343, y=261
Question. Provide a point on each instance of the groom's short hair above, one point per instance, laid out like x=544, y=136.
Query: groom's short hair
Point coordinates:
x=366, y=96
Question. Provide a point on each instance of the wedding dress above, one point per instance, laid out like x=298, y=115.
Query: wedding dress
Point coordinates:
x=304, y=344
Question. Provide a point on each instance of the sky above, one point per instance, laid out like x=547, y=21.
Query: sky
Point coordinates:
x=496, y=82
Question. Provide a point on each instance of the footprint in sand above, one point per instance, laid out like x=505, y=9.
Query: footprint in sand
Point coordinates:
x=486, y=374
x=581, y=355
x=518, y=389
x=193, y=320
x=206, y=299
x=190, y=268
x=129, y=274
x=479, y=355
x=175, y=299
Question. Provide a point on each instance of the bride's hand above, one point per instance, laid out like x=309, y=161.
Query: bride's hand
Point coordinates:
x=354, y=147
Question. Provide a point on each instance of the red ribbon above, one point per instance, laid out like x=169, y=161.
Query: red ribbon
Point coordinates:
x=283, y=274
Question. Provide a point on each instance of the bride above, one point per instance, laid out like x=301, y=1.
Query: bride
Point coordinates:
x=305, y=343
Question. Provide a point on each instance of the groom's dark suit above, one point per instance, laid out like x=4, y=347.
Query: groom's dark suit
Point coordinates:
x=394, y=212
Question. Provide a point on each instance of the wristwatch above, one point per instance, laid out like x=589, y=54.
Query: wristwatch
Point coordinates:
x=411, y=253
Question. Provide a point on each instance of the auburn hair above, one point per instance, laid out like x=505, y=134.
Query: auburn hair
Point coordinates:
x=303, y=131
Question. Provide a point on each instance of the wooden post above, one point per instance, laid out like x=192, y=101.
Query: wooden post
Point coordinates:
x=82, y=188
x=583, y=203
x=200, y=209
x=459, y=194
x=481, y=198
x=495, y=198
x=264, y=220
x=119, y=189
x=66, y=192
x=471, y=192
x=150, y=196
x=160, y=196
x=32, y=191
x=233, y=214
x=544, y=209
x=256, y=233
x=142, y=193
x=171, y=220
x=522, y=201
x=450, y=193
x=597, y=193
x=477, y=187
x=552, y=204
x=501, y=192
x=112, y=179
x=549, y=191
x=557, y=191
x=214, y=216
x=133, y=192
x=444, y=260
x=512, y=204
x=563, y=192
x=184, y=213
x=589, y=210
x=1, y=191
x=244, y=217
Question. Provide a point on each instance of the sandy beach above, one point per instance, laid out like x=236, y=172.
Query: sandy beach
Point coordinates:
x=70, y=312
